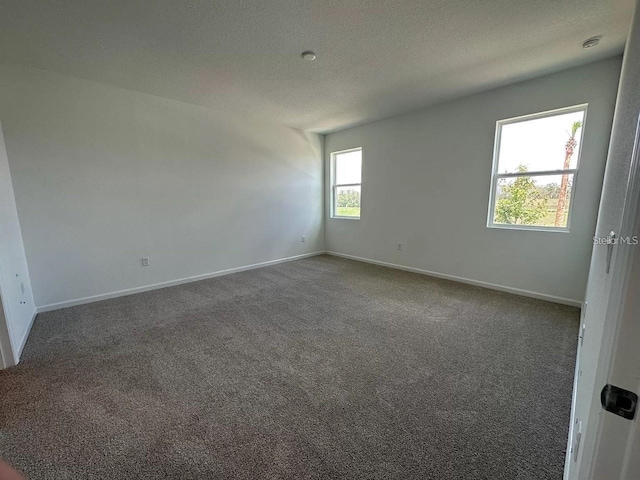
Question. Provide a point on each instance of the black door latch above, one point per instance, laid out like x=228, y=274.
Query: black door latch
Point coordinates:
x=619, y=401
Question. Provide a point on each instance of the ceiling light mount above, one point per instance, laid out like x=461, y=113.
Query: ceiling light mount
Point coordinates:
x=309, y=55
x=591, y=42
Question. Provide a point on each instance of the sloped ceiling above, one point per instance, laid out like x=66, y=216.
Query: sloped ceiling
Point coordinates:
x=375, y=58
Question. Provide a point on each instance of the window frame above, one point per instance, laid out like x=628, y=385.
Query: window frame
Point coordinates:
x=496, y=176
x=335, y=186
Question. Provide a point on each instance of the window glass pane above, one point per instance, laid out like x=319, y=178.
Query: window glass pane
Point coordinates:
x=347, y=202
x=541, y=201
x=549, y=143
x=349, y=167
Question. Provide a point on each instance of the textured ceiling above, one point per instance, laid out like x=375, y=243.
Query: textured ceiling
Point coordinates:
x=375, y=58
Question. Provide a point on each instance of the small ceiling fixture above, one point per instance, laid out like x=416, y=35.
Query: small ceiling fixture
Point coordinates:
x=309, y=55
x=590, y=42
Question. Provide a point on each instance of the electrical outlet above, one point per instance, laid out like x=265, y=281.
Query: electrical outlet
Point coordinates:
x=304, y=239
x=399, y=247
x=145, y=261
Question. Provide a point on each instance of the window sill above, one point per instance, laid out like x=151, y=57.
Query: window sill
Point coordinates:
x=529, y=228
x=344, y=218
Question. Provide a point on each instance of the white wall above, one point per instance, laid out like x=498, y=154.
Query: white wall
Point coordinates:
x=104, y=176
x=426, y=178
x=17, y=308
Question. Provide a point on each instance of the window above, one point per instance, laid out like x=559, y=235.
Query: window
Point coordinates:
x=346, y=177
x=535, y=167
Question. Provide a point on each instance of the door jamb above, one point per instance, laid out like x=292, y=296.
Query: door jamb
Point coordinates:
x=6, y=349
x=614, y=311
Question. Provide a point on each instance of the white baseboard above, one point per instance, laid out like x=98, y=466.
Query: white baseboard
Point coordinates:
x=170, y=283
x=23, y=341
x=477, y=283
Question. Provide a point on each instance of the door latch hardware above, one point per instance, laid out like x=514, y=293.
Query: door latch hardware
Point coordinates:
x=611, y=242
x=619, y=401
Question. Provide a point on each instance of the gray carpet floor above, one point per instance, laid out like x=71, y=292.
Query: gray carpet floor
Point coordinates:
x=322, y=368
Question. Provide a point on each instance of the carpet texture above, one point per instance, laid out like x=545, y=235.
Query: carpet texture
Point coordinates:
x=322, y=368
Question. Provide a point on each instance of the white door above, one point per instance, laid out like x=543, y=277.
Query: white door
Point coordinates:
x=617, y=439
x=608, y=277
